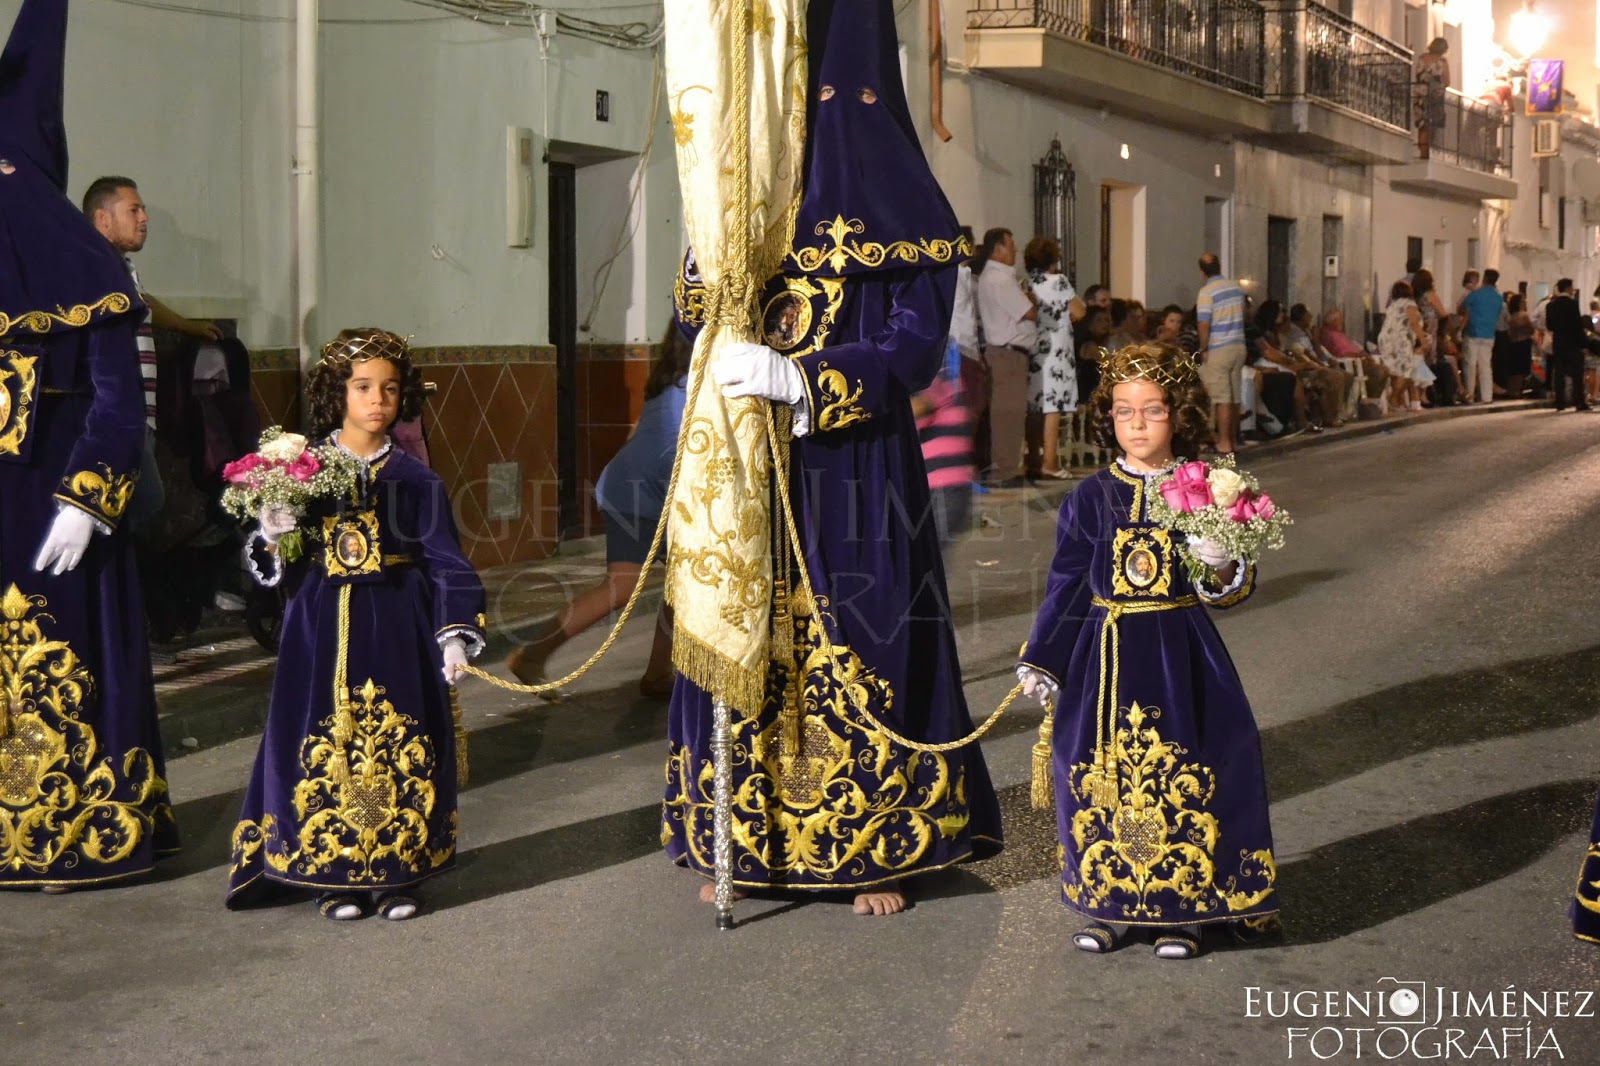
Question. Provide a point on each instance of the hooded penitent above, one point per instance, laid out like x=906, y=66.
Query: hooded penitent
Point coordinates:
x=823, y=798
x=82, y=792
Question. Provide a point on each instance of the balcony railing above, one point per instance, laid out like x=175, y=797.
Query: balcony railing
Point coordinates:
x=1472, y=134
x=1217, y=41
x=1315, y=52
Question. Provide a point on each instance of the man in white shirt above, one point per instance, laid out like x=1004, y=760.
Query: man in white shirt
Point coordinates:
x=1008, y=316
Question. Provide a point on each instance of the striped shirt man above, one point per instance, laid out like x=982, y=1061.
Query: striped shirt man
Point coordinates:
x=145, y=337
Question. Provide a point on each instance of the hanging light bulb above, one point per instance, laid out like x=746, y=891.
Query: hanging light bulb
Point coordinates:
x=1529, y=30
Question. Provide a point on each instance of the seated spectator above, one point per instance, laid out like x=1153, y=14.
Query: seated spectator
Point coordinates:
x=1127, y=323
x=1322, y=372
x=1337, y=344
x=1448, y=389
x=1169, y=328
x=1092, y=342
x=1281, y=389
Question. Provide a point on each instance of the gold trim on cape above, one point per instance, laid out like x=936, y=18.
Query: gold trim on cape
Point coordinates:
x=75, y=317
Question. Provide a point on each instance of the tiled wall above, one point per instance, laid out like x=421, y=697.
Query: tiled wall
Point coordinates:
x=611, y=380
x=496, y=405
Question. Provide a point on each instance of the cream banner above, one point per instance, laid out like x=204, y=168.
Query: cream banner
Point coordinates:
x=736, y=78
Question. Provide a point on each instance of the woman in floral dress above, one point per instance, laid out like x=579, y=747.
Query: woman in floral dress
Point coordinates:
x=1052, y=377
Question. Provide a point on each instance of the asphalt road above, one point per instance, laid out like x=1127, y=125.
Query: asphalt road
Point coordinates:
x=1422, y=659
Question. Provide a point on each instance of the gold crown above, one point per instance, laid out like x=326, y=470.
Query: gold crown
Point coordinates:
x=380, y=344
x=1162, y=364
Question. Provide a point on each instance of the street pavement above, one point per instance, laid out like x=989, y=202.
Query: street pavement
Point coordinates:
x=1422, y=659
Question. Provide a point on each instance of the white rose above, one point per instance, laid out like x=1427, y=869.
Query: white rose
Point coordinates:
x=1225, y=486
x=286, y=449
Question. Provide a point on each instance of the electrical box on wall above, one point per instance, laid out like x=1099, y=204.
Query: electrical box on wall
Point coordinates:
x=1330, y=266
x=519, y=186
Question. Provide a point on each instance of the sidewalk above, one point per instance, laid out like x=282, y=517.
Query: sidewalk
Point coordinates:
x=215, y=690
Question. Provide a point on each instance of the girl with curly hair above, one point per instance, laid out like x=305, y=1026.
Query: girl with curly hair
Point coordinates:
x=1161, y=801
x=353, y=795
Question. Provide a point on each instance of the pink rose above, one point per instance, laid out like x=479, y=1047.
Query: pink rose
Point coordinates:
x=1262, y=506
x=1241, y=510
x=1187, y=490
x=304, y=468
x=238, y=472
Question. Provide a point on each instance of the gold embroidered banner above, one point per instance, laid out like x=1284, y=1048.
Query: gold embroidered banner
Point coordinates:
x=736, y=76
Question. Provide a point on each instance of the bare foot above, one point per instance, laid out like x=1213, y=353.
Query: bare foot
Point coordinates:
x=888, y=901
x=708, y=893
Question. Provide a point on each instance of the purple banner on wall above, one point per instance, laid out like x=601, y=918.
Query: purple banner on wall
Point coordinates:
x=1544, y=86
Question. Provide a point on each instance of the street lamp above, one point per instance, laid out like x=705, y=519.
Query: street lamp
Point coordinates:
x=1529, y=31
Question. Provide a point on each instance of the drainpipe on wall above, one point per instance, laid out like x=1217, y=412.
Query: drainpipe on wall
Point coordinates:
x=308, y=205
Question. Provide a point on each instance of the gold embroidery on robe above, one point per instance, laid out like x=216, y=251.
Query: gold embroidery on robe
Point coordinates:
x=351, y=545
x=102, y=494
x=60, y=802
x=797, y=319
x=18, y=383
x=75, y=317
x=1160, y=839
x=838, y=250
x=817, y=789
x=1141, y=562
x=378, y=815
x=843, y=407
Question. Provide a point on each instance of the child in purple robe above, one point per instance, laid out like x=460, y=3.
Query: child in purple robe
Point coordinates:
x=353, y=796
x=1161, y=802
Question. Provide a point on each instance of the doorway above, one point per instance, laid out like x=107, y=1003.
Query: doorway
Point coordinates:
x=564, y=338
x=1122, y=239
x=1280, y=259
x=1444, y=268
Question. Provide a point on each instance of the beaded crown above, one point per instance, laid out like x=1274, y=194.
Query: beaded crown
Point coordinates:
x=379, y=344
x=1162, y=364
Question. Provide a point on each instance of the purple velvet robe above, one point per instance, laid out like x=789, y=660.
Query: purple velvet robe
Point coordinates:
x=1585, y=909
x=823, y=800
x=1183, y=835
x=83, y=794
x=376, y=809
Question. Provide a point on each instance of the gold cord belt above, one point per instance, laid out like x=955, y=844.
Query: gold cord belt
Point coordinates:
x=1102, y=777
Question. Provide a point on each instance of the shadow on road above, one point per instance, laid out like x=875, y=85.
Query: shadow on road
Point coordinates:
x=1363, y=881
x=1362, y=734
x=1284, y=587
x=552, y=855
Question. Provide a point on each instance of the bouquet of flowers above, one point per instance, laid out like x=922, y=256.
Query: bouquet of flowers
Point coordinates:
x=1219, y=503
x=285, y=471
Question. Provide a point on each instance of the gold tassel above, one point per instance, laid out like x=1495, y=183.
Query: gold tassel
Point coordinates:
x=1043, y=783
x=339, y=769
x=1104, y=794
x=461, y=739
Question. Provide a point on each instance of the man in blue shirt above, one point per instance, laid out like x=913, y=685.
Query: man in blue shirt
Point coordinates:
x=1483, y=307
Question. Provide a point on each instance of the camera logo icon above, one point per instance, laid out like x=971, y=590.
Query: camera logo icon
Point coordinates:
x=1403, y=1002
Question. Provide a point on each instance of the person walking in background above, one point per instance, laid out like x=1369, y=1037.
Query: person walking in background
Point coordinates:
x=974, y=370
x=1399, y=343
x=1008, y=318
x=631, y=492
x=943, y=428
x=1484, y=309
x=1517, y=364
x=1052, y=377
x=1219, y=310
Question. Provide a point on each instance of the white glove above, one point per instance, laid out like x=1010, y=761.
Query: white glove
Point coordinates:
x=455, y=657
x=1036, y=685
x=276, y=522
x=66, y=542
x=1209, y=552
x=756, y=370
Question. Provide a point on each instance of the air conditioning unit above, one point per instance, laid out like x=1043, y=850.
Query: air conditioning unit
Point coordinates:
x=1546, y=137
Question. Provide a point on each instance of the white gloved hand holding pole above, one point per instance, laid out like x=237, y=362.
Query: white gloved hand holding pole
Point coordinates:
x=756, y=370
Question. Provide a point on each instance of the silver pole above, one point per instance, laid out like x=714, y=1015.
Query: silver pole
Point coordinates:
x=722, y=815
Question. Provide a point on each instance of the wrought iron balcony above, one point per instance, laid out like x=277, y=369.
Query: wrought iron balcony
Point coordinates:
x=1473, y=134
x=1216, y=41
x=1318, y=53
